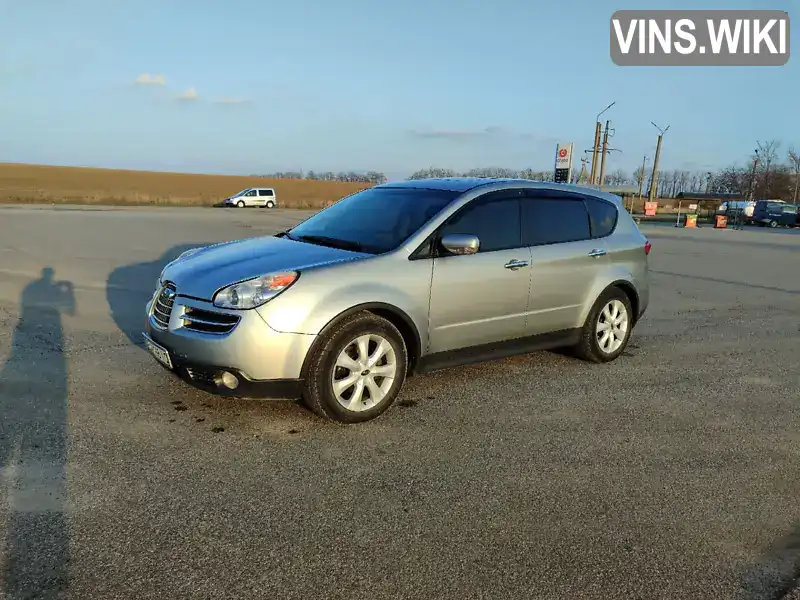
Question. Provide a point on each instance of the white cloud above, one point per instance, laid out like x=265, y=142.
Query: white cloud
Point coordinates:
x=148, y=79
x=190, y=94
x=232, y=101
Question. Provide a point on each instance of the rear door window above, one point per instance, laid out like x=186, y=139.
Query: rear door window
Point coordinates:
x=553, y=219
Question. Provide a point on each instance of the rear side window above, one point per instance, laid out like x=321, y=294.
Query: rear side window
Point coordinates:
x=554, y=221
x=495, y=222
x=602, y=217
x=265, y=192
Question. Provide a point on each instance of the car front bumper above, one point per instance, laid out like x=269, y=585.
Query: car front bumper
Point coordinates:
x=264, y=362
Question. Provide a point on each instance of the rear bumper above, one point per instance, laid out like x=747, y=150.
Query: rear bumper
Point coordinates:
x=266, y=363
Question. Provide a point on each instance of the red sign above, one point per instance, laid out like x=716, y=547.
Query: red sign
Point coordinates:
x=650, y=208
x=562, y=153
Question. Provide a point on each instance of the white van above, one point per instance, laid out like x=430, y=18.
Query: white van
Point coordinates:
x=261, y=197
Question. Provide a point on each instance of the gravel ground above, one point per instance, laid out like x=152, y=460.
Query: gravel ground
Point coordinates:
x=671, y=473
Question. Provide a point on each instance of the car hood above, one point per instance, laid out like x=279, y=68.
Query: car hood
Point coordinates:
x=213, y=267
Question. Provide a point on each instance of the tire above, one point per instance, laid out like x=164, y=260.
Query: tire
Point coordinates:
x=240, y=204
x=773, y=223
x=319, y=393
x=589, y=348
x=270, y=204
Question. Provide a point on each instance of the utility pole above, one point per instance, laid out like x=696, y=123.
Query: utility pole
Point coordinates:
x=603, y=155
x=582, y=174
x=751, y=192
x=595, y=151
x=596, y=147
x=641, y=180
x=654, y=177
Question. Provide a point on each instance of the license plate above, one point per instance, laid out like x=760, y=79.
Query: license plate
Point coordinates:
x=160, y=353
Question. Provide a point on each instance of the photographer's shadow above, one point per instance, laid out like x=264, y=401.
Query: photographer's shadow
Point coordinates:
x=34, y=438
x=129, y=289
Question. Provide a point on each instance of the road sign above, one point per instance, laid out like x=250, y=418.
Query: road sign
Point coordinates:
x=563, y=166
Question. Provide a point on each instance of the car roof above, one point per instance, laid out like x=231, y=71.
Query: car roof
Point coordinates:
x=465, y=184
x=453, y=184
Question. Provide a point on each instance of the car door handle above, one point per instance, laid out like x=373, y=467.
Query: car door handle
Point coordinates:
x=597, y=252
x=516, y=264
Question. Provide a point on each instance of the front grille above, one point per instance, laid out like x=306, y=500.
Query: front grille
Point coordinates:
x=162, y=307
x=208, y=321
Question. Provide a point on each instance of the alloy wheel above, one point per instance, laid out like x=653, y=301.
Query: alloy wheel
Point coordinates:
x=612, y=326
x=364, y=372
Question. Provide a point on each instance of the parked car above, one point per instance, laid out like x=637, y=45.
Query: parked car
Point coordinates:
x=773, y=213
x=262, y=197
x=742, y=209
x=398, y=279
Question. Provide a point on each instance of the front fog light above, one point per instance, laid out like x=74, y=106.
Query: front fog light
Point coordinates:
x=229, y=380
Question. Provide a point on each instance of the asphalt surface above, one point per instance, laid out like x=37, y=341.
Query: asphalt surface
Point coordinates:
x=672, y=473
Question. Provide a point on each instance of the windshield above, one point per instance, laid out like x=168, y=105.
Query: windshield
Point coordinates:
x=375, y=220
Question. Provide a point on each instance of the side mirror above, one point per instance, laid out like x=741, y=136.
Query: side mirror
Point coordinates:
x=460, y=243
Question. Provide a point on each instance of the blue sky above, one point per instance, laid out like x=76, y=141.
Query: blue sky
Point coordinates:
x=354, y=84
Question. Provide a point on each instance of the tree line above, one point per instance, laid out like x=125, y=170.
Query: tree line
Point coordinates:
x=373, y=177
x=770, y=173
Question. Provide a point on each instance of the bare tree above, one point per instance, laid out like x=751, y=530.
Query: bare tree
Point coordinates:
x=794, y=163
x=767, y=156
x=639, y=175
x=683, y=181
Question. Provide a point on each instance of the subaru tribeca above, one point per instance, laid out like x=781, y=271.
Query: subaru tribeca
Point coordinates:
x=398, y=279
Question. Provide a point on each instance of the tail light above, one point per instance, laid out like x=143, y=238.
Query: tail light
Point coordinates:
x=647, y=246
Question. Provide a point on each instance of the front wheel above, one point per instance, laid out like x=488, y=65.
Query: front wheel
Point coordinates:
x=356, y=372
x=607, y=329
x=240, y=204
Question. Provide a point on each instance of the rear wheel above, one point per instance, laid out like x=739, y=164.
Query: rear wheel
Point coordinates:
x=270, y=204
x=357, y=370
x=773, y=223
x=607, y=329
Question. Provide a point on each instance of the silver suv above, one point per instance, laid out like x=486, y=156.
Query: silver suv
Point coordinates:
x=398, y=279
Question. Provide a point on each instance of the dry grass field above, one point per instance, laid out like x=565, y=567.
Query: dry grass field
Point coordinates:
x=41, y=184
x=31, y=184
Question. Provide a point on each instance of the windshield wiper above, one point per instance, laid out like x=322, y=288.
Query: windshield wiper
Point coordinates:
x=324, y=240
x=285, y=234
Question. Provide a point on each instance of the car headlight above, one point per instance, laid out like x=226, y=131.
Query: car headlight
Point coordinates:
x=254, y=292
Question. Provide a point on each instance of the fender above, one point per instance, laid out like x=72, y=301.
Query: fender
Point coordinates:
x=627, y=286
x=397, y=316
